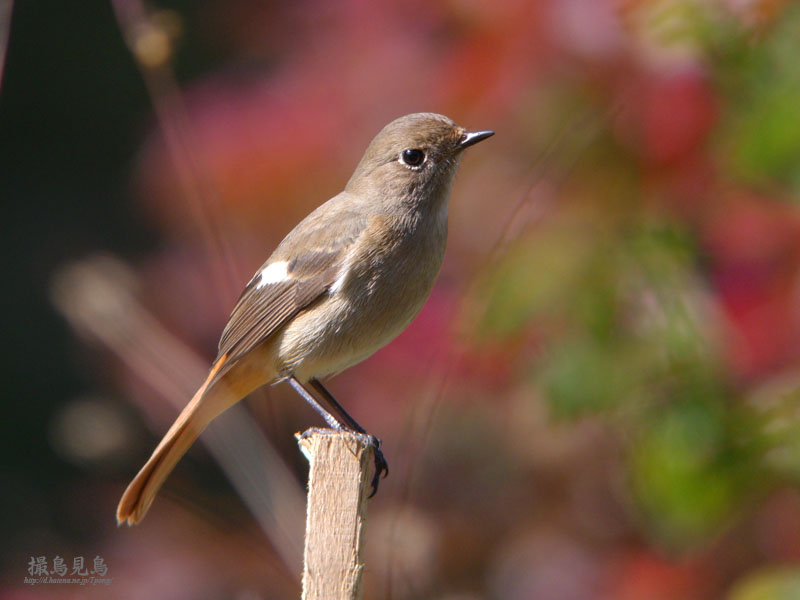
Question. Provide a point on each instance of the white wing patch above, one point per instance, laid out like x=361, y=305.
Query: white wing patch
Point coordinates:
x=339, y=283
x=344, y=272
x=273, y=273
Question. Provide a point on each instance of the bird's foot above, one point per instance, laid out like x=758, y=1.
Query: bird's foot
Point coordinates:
x=381, y=466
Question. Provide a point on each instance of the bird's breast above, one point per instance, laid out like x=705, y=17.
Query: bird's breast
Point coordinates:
x=388, y=275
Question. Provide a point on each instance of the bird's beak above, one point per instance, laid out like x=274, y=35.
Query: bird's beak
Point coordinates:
x=473, y=137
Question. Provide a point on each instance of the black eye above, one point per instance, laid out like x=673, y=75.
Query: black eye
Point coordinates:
x=412, y=157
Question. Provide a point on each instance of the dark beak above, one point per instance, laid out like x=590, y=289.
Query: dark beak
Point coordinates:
x=473, y=137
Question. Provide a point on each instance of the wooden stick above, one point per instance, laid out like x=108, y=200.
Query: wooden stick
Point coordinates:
x=336, y=513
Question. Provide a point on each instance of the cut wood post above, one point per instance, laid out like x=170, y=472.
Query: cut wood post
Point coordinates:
x=336, y=513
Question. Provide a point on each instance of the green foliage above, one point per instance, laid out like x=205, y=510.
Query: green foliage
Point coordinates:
x=630, y=340
x=777, y=431
x=530, y=281
x=684, y=476
x=769, y=584
x=759, y=140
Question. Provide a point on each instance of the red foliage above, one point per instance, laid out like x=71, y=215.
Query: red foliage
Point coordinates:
x=754, y=246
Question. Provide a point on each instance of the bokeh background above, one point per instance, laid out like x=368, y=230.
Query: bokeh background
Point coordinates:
x=601, y=399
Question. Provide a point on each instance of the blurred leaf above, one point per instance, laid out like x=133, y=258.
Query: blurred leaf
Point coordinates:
x=672, y=22
x=776, y=425
x=633, y=342
x=531, y=280
x=580, y=376
x=760, y=138
x=682, y=478
x=769, y=584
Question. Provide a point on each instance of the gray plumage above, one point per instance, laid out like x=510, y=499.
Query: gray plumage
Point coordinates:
x=344, y=282
x=388, y=229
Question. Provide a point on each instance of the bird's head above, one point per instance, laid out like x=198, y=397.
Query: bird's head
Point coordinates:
x=412, y=160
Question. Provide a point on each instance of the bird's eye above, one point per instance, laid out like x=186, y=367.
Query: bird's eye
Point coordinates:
x=412, y=157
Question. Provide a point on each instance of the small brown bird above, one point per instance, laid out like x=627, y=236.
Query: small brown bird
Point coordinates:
x=344, y=282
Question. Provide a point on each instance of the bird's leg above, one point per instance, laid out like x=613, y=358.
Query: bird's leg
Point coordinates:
x=347, y=420
x=306, y=395
x=344, y=420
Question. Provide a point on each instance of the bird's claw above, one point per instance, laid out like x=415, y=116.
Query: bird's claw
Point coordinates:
x=381, y=466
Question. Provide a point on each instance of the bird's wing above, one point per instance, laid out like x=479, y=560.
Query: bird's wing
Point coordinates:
x=301, y=270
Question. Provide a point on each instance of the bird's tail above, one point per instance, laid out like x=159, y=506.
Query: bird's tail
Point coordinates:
x=213, y=398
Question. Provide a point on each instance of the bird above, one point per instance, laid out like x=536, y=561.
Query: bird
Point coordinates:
x=342, y=284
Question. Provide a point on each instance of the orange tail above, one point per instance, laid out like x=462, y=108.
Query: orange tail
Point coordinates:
x=209, y=402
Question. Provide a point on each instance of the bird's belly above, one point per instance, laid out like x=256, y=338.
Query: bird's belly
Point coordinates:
x=347, y=327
